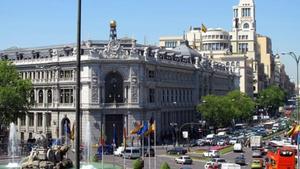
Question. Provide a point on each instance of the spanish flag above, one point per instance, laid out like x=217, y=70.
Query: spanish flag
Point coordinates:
x=151, y=128
x=203, y=28
x=137, y=127
x=293, y=132
x=72, y=136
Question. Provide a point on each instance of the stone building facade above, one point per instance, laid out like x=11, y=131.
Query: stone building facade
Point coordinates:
x=122, y=82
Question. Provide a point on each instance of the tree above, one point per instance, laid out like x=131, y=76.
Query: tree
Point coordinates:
x=213, y=110
x=271, y=97
x=138, y=164
x=14, y=93
x=219, y=111
x=242, y=105
x=165, y=165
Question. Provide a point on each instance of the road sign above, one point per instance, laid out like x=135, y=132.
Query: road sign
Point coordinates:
x=185, y=134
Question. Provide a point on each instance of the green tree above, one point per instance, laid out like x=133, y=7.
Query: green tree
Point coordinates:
x=216, y=110
x=165, y=165
x=14, y=93
x=242, y=105
x=138, y=164
x=272, y=97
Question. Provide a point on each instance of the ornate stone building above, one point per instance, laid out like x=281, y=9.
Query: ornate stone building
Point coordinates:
x=121, y=82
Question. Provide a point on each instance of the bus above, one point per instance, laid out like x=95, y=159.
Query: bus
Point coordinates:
x=281, y=158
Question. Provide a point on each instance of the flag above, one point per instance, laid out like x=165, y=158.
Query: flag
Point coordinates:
x=72, y=136
x=151, y=128
x=143, y=129
x=203, y=28
x=137, y=127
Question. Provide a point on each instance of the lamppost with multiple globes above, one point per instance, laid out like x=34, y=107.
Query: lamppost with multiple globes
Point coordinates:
x=297, y=59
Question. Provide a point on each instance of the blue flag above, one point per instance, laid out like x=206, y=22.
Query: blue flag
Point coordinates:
x=143, y=129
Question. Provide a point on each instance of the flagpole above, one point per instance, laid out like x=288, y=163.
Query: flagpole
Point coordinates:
x=149, y=146
x=155, y=145
x=124, y=135
x=101, y=138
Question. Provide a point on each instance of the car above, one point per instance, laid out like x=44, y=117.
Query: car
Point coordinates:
x=212, y=153
x=233, y=140
x=200, y=142
x=237, y=147
x=256, y=153
x=132, y=152
x=240, y=160
x=218, y=160
x=184, y=160
x=177, y=150
x=257, y=164
x=208, y=165
x=119, y=151
x=221, y=142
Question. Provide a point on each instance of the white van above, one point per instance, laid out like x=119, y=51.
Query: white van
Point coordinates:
x=230, y=166
x=237, y=147
x=132, y=152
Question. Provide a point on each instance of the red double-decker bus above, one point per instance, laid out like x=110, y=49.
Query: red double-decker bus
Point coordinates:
x=281, y=158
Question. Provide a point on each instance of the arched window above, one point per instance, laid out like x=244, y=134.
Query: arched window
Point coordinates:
x=113, y=88
x=246, y=26
x=49, y=96
x=32, y=96
x=41, y=95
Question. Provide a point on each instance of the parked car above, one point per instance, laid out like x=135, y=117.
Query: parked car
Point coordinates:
x=257, y=164
x=184, y=160
x=119, y=151
x=256, y=153
x=240, y=160
x=177, y=150
x=212, y=153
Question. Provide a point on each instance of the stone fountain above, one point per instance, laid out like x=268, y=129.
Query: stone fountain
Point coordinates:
x=42, y=158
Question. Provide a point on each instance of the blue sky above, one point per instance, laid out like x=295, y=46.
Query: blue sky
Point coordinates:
x=46, y=22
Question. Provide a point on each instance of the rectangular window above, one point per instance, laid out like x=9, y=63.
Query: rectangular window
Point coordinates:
x=151, y=95
x=246, y=12
x=170, y=44
x=151, y=74
x=40, y=119
x=48, y=119
x=236, y=15
x=66, y=95
x=31, y=119
x=66, y=74
x=243, y=47
x=23, y=120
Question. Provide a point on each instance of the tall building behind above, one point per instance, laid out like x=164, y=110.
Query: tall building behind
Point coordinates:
x=264, y=46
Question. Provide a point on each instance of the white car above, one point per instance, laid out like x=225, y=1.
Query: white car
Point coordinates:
x=211, y=153
x=184, y=160
x=218, y=160
x=208, y=165
x=119, y=151
x=237, y=147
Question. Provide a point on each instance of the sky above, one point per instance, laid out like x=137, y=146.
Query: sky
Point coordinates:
x=31, y=23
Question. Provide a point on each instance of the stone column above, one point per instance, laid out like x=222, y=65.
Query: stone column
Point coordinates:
x=44, y=123
x=35, y=122
x=27, y=122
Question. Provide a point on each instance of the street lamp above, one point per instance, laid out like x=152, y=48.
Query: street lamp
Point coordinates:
x=297, y=59
x=78, y=68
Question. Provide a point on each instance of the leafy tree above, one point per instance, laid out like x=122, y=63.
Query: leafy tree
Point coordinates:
x=242, y=105
x=138, y=164
x=272, y=97
x=165, y=165
x=216, y=110
x=219, y=111
x=14, y=93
